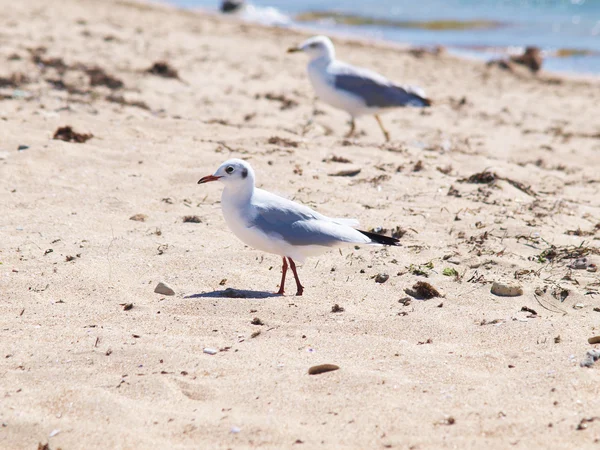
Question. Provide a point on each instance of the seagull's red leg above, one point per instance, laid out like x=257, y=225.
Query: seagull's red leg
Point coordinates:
x=298, y=285
x=283, y=272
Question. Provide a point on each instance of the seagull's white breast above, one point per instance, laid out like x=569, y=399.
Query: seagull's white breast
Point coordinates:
x=322, y=78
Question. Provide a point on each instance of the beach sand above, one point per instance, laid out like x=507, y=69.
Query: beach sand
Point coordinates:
x=466, y=370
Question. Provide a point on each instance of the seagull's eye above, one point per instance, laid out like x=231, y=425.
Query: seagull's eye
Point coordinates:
x=229, y=169
x=314, y=45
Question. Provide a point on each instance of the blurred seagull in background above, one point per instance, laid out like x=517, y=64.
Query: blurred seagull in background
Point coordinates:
x=276, y=225
x=356, y=90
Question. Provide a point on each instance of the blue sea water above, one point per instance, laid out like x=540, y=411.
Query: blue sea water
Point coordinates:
x=548, y=24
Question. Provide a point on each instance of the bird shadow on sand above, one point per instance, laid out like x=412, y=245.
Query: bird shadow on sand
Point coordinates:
x=234, y=293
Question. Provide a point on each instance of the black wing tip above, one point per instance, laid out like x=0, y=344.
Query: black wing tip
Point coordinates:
x=380, y=238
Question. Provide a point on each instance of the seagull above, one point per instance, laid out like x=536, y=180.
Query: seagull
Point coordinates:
x=280, y=226
x=356, y=90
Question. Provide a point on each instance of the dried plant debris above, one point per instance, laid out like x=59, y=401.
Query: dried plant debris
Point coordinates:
x=286, y=103
x=485, y=177
x=60, y=85
x=583, y=423
x=490, y=178
x=557, y=254
x=98, y=77
x=122, y=101
x=337, y=308
x=345, y=173
x=163, y=69
x=421, y=270
x=14, y=80
x=192, y=219
x=580, y=232
x=67, y=134
x=284, y=142
x=322, y=368
x=422, y=290
x=337, y=159
x=44, y=63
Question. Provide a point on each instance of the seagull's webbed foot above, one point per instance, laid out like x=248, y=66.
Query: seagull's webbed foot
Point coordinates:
x=385, y=132
x=298, y=285
x=284, y=268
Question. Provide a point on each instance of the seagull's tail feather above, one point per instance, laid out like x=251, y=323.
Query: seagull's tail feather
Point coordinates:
x=416, y=96
x=380, y=238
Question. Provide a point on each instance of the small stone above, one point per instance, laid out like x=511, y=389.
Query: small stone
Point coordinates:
x=506, y=290
x=578, y=306
x=580, y=264
x=381, y=278
x=590, y=358
x=139, y=217
x=162, y=288
x=22, y=147
x=210, y=351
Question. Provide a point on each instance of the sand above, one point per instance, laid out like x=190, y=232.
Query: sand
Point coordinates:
x=466, y=370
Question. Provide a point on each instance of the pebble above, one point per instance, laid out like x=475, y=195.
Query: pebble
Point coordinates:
x=382, y=277
x=580, y=263
x=590, y=358
x=210, y=351
x=578, y=306
x=162, y=288
x=506, y=290
x=139, y=217
x=594, y=340
x=22, y=147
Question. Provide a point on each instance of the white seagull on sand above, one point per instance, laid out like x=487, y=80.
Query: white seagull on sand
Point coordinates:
x=356, y=90
x=276, y=225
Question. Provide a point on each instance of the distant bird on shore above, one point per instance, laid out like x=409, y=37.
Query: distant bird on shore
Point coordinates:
x=229, y=6
x=356, y=90
x=276, y=225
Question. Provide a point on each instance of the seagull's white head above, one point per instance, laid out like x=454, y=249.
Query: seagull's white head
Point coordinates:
x=234, y=173
x=316, y=47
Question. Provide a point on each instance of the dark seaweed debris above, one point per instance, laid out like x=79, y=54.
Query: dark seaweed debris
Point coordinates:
x=423, y=290
x=490, y=178
x=68, y=135
x=163, y=69
x=98, y=77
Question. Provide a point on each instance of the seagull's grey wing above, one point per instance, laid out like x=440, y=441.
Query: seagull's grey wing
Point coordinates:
x=376, y=92
x=299, y=225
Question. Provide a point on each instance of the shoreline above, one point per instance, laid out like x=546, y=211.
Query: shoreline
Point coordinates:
x=457, y=51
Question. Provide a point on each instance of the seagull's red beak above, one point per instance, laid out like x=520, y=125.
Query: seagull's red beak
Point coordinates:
x=207, y=179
